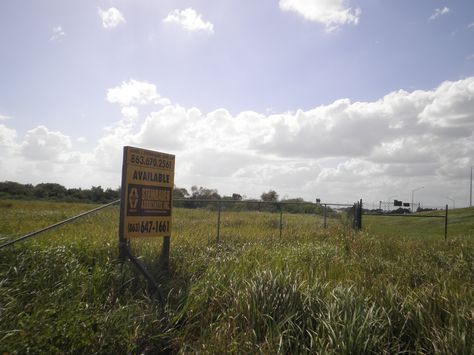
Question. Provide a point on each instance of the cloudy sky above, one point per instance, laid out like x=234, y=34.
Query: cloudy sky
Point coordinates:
x=335, y=99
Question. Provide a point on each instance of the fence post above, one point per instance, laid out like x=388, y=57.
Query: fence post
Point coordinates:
x=218, y=221
x=354, y=215
x=325, y=214
x=360, y=215
x=446, y=224
x=165, y=253
x=281, y=219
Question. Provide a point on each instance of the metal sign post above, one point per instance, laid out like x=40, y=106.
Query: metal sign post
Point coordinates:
x=146, y=202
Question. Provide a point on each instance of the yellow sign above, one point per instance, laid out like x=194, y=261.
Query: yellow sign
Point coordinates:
x=147, y=191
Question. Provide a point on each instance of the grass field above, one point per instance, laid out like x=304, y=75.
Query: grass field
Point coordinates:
x=395, y=287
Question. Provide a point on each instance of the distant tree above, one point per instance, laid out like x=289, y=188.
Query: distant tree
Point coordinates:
x=110, y=195
x=97, y=194
x=15, y=189
x=203, y=193
x=50, y=191
x=76, y=194
x=236, y=197
x=270, y=196
x=180, y=192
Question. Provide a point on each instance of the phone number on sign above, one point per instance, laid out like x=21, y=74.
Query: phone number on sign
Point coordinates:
x=149, y=227
x=151, y=161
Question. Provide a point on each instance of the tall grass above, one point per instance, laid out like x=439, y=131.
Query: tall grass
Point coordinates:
x=312, y=291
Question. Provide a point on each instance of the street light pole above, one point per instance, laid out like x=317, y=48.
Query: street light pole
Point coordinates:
x=413, y=196
x=454, y=202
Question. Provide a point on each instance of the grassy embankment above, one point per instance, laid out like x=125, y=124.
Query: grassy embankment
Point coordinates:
x=395, y=287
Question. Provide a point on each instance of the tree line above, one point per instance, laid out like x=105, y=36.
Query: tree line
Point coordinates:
x=57, y=192
x=197, y=197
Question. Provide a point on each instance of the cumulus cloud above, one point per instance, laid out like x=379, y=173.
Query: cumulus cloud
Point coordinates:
x=135, y=92
x=7, y=139
x=190, y=20
x=43, y=144
x=58, y=34
x=340, y=151
x=439, y=12
x=330, y=13
x=111, y=18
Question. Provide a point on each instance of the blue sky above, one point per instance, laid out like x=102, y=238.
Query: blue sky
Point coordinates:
x=329, y=98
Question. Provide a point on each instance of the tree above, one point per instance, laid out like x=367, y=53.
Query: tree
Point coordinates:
x=236, y=197
x=50, y=191
x=270, y=196
x=203, y=193
x=11, y=188
x=180, y=192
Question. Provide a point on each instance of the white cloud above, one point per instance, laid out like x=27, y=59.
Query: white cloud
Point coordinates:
x=130, y=113
x=58, y=34
x=42, y=144
x=4, y=117
x=331, y=13
x=439, y=12
x=7, y=139
x=471, y=25
x=190, y=20
x=111, y=18
x=403, y=138
x=340, y=151
x=135, y=92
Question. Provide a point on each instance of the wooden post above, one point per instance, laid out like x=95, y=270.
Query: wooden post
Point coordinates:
x=446, y=224
x=123, y=249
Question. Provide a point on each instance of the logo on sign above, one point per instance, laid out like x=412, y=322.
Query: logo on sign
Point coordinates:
x=133, y=198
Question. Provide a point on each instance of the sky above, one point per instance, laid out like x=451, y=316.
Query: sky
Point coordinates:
x=330, y=99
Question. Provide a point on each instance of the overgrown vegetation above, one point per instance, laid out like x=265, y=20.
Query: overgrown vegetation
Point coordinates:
x=312, y=291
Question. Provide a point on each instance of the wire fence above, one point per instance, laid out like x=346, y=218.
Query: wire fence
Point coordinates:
x=325, y=210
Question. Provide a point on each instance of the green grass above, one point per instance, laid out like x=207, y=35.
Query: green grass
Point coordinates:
x=396, y=287
x=460, y=223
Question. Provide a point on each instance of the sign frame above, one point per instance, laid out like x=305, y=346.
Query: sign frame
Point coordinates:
x=146, y=201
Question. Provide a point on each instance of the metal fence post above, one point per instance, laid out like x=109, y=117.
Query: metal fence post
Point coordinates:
x=218, y=221
x=281, y=220
x=325, y=215
x=446, y=224
x=165, y=253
